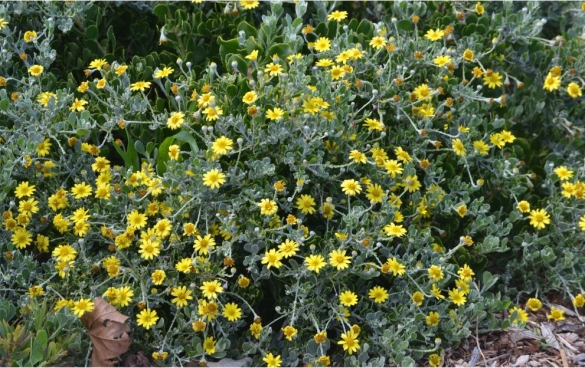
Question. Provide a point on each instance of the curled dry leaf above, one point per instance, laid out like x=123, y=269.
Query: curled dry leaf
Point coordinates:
x=108, y=331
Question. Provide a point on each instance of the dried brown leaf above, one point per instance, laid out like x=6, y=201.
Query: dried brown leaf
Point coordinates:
x=108, y=331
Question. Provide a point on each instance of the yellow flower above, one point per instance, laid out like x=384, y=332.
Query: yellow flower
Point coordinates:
x=97, y=64
x=81, y=306
x=207, y=310
x=78, y=105
x=422, y=92
x=288, y=248
x=523, y=206
x=124, y=296
x=36, y=70
x=492, y=79
x=139, y=86
x=253, y=55
x=462, y=210
x=480, y=147
x=579, y=300
x=205, y=99
x=81, y=190
x=434, y=35
x=337, y=15
x=213, y=179
x=182, y=295
x=101, y=83
x=24, y=189
x=273, y=69
x=556, y=314
x=136, y=220
x=379, y=294
x=159, y=356
x=457, y=296
x=306, y=204
x=435, y=360
x=351, y=187
x=149, y=249
x=35, y=291
x=3, y=23
x=396, y=267
x=64, y=252
x=458, y=147
x=378, y=42
x=120, y=69
x=466, y=273
x=582, y=223
x=539, y=218
x=275, y=114
x=551, y=83
x=522, y=315
x=348, y=298
x=289, y=332
x=322, y=44
x=210, y=289
x=232, y=312
x=272, y=361
x=468, y=55
x=374, y=124
x=267, y=207
x=479, y=8
x=256, y=329
x=250, y=97
x=83, y=87
x=534, y=304
x=315, y=262
x=204, y=244
x=175, y=120
x=338, y=259
x=574, y=90
x=394, y=230
x=432, y=319
x=44, y=98
x=375, y=193
x=411, y=183
x=249, y=4
x=174, y=151
x=29, y=36
x=337, y=72
x=272, y=258
x=146, y=318
x=393, y=167
x=563, y=173
x=349, y=342
x=435, y=273
x=165, y=72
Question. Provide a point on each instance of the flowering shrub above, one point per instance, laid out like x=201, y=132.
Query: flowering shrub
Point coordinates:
x=292, y=182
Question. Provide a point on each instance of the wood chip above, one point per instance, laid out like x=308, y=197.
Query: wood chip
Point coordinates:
x=518, y=335
x=521, y=360
x=549, y=336
x=564, y=358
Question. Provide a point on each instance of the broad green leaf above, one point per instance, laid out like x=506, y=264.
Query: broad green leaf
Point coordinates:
x=38, y=347
x=163, y=155
x=187, y=138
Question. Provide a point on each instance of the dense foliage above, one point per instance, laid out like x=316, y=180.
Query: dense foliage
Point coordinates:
x=354, y=183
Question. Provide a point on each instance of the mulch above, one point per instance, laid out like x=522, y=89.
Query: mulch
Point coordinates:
x=542, y=343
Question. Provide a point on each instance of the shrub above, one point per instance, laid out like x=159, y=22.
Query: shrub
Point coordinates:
x=292, y=182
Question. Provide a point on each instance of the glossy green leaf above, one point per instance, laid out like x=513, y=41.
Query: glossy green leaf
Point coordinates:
x=91, y=32
x=160, y=10
x=405, y=25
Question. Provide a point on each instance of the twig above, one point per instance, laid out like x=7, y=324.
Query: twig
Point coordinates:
x=564, y=358
x=477, y=340
x=498, y=357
